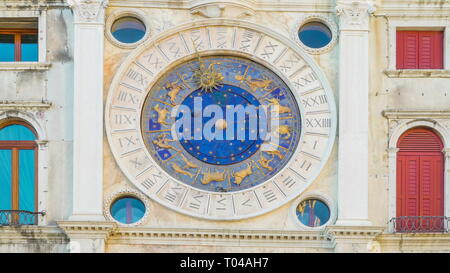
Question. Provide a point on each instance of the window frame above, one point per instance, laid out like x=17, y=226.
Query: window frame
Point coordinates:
x=18, y=40
x=41, y=16
x=15, y=146
x=416, y=24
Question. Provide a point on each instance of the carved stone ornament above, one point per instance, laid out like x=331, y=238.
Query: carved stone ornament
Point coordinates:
x=354, y=14
x=229, y=10
x=88, y=10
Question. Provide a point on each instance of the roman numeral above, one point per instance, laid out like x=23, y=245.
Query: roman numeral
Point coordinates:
x=269, y=49
x=149, y=182
x=269, y=195
x=313, y=101
x=127, y=141
x=197, y=203
x=246, y=41
x=137, y=77
x=124, y=119
x=288, y=182
x=318, y=122
x=221, y=37
x=305, y=80
x=127, y=97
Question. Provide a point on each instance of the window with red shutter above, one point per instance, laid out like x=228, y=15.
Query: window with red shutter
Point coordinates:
x=420, y=181
x=420, y=49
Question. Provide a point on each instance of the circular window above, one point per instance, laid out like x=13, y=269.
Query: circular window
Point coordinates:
x=315, y=35
x=128, y=30
x=313, y=213
x=127, y=210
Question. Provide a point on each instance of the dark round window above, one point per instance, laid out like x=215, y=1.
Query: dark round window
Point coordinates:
x=313, y=213
x=128, y=30
x=128, y=210
x=315, y=35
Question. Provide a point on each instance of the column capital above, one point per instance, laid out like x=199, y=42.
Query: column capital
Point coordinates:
x=354, y=14
x=88, y=11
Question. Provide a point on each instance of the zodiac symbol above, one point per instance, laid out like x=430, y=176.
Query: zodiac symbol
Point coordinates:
x=210, y=176
x=174, y=88
x=162, y=142
x=162, y=114
x=264, y=162
x=188, y=163
x=275, y=153
x=242, y=174
x=254, y=84
x=180, y=170
x=278, y=108
x=283, y=130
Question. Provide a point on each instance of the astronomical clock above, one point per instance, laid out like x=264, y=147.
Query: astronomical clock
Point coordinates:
x=220, y=120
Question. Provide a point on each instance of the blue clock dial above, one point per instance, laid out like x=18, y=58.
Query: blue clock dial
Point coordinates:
x=220, y=123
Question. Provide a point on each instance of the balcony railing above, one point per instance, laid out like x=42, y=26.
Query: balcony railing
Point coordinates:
x=19, y=217
x=420, y=224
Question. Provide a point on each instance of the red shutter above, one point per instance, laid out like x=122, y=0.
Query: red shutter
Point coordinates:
x=420, y=49
x=420, y=174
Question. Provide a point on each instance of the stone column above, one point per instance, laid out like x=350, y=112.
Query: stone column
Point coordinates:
x=353, y=111
x=88, y=109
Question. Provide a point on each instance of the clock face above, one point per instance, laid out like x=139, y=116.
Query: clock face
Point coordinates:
x=252, y=134
x=230, y=128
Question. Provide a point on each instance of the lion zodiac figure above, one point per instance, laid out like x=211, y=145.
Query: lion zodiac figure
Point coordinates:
x=283, y=130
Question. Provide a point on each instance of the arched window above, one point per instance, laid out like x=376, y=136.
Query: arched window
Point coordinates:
x=420, y=181
x=18, y=173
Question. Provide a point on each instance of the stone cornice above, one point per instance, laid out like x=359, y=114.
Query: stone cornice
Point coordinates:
x=415, y=113
x=256, y=5
x=224, y=237
x=354, y=15
x=353, y=233
x=89, y=11
x=87, y=229
x=13, y=4
x=24, y=105
x=32, y=234
x=419, y=8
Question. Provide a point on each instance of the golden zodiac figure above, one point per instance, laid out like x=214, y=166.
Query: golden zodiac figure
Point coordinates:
x=188, y=163
x=180, y=170
x=162, y=114
x=210, y=176
x=283, y=130
x=163, y=142
x=254, y=84
x=275, y=153
x=174, y=88
x=277, y=107
x=242, y=174
x=264, y=162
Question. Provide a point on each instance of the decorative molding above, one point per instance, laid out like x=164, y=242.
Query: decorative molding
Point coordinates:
x=22, y=66
x=25, y=105
x=354, y=238
x=412, y=113
x=269, y=5
x=417, y=73
x=423, y=242
x=88, y=11
x=121, y=193
x=87, y=229
x=227, y=10
x=354, y=15
x=32, y=234
x=219, y=237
